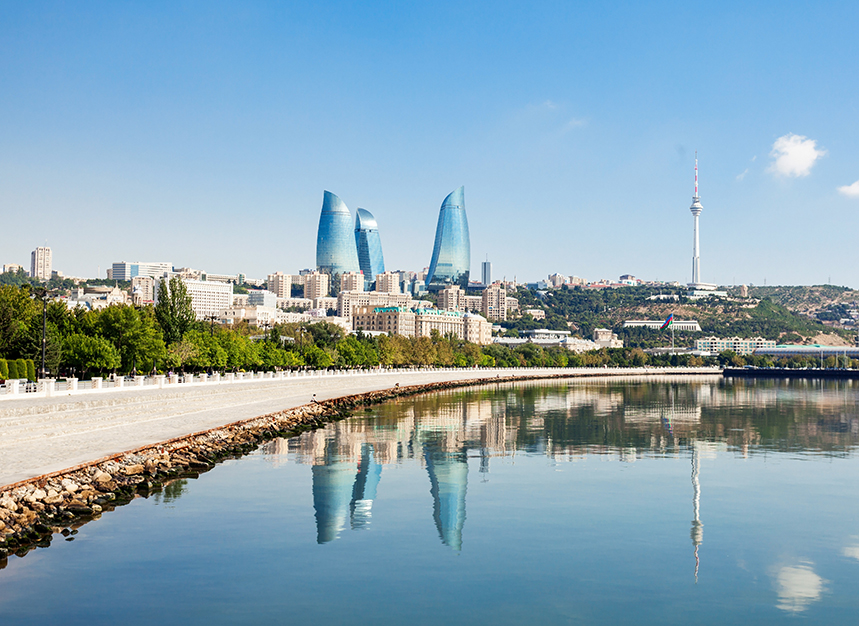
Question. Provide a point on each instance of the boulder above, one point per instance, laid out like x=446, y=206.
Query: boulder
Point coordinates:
x=9, y=503
x=70, y=485
x=102, y=477
x=132, y=470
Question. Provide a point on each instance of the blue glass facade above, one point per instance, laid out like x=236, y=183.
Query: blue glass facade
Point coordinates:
x=451, y=254
x=335, y=241
x=369, y=245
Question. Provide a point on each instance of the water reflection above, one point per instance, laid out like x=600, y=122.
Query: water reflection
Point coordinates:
x=649, y=417
x=798, y=586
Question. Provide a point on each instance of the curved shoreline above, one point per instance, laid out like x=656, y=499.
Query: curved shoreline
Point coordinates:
x=33, y=509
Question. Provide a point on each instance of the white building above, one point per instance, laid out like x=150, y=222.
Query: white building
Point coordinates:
x=142, y=290
x=690, y=325
x=124, y=270
x=388, y=282
x=604, y=338
x=494, y=303
x=316, y=285
x=280, y=284
x=715, y=345
x=207, y=298
x=40, y=263
x=352, y=281
x=348, y=300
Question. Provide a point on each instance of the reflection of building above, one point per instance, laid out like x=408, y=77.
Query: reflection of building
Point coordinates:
x=448, y=473
x=451, y=253
x=332, y=493
x=364, y=490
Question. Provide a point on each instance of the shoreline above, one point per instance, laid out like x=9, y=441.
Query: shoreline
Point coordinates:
x=32, y=510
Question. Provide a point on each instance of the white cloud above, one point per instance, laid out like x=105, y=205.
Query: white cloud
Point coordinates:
x=740, y=177
x=851, y=191
x=572, y=124
x=794, y=155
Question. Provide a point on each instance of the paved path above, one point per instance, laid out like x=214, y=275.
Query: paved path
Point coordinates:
x=43, y=435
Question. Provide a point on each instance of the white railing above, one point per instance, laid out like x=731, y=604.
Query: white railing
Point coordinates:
x=16, y=389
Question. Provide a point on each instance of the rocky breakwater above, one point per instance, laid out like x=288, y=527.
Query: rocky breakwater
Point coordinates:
x=33, y=512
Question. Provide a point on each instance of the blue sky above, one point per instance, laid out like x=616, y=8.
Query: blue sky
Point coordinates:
x=204, y=134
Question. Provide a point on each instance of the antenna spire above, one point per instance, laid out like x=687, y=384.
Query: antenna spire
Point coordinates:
x=696, y=174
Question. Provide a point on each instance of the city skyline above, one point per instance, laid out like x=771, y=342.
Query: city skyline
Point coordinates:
x=135, y=132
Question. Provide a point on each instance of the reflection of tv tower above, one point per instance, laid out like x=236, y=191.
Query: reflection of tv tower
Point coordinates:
x=697, y=532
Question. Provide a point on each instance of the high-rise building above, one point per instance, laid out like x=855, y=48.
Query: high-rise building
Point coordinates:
x=40, y=263
x=495, y=303
x=369, y=244
x=451, y=254
x=389, y=282
x=142, y=290
x=124, y=270
x=207, y=299
x=280, y=284
x=352, y=281
x=316, y=285
x=451, y=298
x=335, y=241
x=486, y=272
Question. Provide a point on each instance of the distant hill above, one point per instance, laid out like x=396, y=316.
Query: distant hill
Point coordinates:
x=583, y=310
x=804, y=298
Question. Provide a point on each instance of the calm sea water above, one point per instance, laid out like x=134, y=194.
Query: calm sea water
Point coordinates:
x=593, y=502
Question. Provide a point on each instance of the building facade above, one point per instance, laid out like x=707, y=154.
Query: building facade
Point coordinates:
x=207, y=299
x=126, y=271
x=451, y=254
x=262, y=297
x=422, y=322
x=451, y=298
x=389, y=282
x=40, y=263
x=336, y=253
x=280, y=284
x=715, y=345
x=142, y=290
x=352, y=281
x=494, y=303
x=688, y=325
x=369, y=245
x=348, y=301
x=316, y=285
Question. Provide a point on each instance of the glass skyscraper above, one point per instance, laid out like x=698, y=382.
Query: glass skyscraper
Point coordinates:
x=335, y=241
x=369, y=245
x=451, y=254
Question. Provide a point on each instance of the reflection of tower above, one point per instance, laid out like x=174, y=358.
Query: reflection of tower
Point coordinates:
x=364, y=491
x=697, y=532
x=332, y=489
x=696, y=209
x=448, y=472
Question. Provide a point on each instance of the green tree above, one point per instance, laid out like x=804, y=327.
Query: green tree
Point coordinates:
x=86, y=353
x=31, y=370
x=173, y=311
x=4, y=369
x=316, y=357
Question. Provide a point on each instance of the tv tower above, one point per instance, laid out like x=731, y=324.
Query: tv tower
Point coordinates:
x=696, y=209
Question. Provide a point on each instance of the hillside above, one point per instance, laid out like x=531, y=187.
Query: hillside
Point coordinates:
x=582, y=310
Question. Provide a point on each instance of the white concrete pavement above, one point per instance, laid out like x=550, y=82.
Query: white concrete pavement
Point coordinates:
x=49, y=434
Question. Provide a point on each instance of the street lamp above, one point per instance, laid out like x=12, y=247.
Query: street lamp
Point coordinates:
x=42, y=294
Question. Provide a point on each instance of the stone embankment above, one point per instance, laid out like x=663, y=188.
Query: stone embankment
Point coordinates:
x=33, y=510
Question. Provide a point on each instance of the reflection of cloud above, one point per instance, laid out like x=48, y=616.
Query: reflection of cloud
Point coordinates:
x=851, y=551
x=797, y=587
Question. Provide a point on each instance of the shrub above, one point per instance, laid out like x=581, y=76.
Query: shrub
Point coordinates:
x=31, y=370
x=13, y=369
x=4, y=369
x=21, y=365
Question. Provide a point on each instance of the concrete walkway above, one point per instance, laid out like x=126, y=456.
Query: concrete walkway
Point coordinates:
x=43, y=435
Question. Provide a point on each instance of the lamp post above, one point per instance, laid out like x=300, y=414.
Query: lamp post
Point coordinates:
x=211, y=319
x=42, y=294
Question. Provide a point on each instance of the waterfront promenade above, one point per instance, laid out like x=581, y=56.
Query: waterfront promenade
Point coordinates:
x=40, y=435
